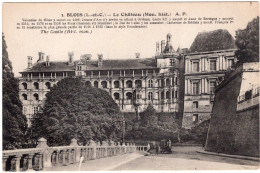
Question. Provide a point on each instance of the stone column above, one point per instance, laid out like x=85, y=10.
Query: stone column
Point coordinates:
x=30, y=157
x=42, y=143
x=64, y=157
x=70, y=157
x=105, y=144
x=17, y=162
x=4, y=159
x=93, y=145
x=40, y=156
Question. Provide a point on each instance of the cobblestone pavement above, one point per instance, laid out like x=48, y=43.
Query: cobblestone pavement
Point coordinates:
x=183, y=158
x=186, y=158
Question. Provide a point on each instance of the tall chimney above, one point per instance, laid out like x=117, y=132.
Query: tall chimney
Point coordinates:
x=162, y=46
x=29, y=62
x=137, y=54
x=71, y=55
x=157, y=47
x=100, y=60
x=48, y=60
x=169, y=38
x=41, y=57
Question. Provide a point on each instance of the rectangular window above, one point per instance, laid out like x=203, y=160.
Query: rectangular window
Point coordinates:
x=195, y=66
x=195, y=104
x=213, y=65
x=195, y=88
x=230, y=63
x=212, y=87
x=195, y=118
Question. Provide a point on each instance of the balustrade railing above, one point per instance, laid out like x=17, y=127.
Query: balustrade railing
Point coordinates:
x=44, y=156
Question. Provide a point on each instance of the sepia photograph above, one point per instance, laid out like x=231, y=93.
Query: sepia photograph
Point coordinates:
x=137, y=86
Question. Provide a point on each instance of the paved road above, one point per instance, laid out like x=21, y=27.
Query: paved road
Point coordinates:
x=186, y=158
x=183, y=158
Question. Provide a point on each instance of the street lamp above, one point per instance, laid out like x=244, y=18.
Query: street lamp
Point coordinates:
x=123, y=129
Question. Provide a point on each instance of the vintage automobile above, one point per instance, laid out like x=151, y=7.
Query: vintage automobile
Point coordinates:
x=166, y=146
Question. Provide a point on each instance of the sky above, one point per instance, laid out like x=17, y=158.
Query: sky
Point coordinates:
x=112, y=43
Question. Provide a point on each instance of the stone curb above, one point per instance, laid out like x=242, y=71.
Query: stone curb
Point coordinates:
x=230, y=156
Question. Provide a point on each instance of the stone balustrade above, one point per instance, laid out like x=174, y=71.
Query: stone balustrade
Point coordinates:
x=44, y=156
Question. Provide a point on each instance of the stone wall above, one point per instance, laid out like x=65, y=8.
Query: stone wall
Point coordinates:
x=232, y=131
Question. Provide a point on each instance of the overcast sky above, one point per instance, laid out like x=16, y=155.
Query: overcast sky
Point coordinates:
x=112, y=43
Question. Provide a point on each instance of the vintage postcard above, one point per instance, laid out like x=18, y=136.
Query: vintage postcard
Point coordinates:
x=130, y=86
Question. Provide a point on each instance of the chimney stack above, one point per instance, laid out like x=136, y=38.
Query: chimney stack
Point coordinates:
x=48, y=60
x=100, y=60
x=137, y=55
x=41, y=57
x=162, y=46
x=71, y=55
x=157, y=47
x=30, y=62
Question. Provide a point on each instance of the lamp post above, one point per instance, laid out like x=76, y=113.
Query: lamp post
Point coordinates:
x=123, y=129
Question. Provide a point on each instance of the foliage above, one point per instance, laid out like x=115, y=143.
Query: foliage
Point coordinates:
x=152, y=127
x=197, y=134
x=74, y=109
x=149, y=117
x=14, y=122
x=247, y=42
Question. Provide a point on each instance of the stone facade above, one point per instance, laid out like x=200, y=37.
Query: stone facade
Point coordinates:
x=203, y=72
x=132, y=83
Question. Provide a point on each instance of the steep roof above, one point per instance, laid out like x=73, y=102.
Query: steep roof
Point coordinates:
x=54, y=66
x=93, y=65
x=123, y=64
x=213, y=40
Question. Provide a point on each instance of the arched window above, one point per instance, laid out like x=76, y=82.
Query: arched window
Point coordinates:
x=173, y=81
x=150, y=96
x=129, y=84
x=167, y=94
x=104, y=84
x=48, y=85
x=116, y=96
x=195, y=104
x=138, y=84
x=176, y=94
x=172, y=94
x=24, y=85
x=162, y=95
x=36, y=85
x=162, y=82
x=24, y=96
x=96, y=84
x=168, y=82
x=36, y=97
x=116, y=84
x=150, y=83
x=129, y=96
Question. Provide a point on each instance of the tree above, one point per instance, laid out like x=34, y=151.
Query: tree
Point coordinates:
x=74, y=109
x=247, y=42
x=149, y=117
x=14, y=122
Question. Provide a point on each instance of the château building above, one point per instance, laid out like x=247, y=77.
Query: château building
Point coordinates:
x=205, y=68
x=132, y=83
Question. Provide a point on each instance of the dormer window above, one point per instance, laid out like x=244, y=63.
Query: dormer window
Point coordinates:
x=171, y=62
